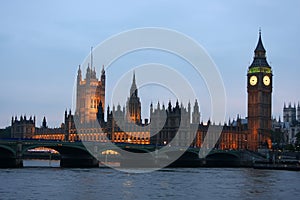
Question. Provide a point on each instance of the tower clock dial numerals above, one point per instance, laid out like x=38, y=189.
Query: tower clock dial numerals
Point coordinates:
x=253, y=80
x=266, y=80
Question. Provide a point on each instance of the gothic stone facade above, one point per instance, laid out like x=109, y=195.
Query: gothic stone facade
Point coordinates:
x=125, y=124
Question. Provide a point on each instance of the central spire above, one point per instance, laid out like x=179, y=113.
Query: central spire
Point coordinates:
x=133, y=106
x=133, y=89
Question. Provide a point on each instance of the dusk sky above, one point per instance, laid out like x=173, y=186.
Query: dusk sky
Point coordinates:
x=43, y=42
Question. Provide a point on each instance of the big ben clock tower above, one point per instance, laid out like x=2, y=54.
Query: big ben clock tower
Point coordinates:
x=259, y=88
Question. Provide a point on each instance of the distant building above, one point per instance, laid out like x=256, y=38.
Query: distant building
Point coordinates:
x=23, y=127
x=90, y=92
x=291, y=121
x=167, y=123
x=280, y=133
x=44, y=132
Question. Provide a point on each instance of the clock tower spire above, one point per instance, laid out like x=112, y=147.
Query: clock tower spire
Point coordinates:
x=259, y=88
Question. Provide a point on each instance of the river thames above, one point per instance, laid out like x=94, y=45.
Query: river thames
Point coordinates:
x=48, y=181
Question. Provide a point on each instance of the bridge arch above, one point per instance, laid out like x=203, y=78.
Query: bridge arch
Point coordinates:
x=127, y=155
x=121, y=151
x=7, y=151
x=9, y=157
x=71, y=155
x=186, y=159
x=123, y=148
x=222, y=159
x=60, y=148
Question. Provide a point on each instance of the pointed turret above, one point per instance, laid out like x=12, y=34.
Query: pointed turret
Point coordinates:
x=151, y=108
x=196, y=113
x=177, y=104
x=100, y=113
x=170, y=106
x=102, y=71
x=133, y=89
x=103, y=76
x=79, y=76
x=208, y=122
x=133, y=105
x=118, y=107
x=259, y=55
x=108, y=113
x=88, y=72
x=260, y=47
x=44, y=124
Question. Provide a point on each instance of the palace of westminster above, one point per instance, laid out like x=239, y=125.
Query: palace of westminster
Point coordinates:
x=125, y=125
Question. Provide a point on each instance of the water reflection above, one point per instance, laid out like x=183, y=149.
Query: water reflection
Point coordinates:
x=105, y=183
x=41, y=163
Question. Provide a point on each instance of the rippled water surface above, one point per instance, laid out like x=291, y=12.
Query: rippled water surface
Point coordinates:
x=105, y=183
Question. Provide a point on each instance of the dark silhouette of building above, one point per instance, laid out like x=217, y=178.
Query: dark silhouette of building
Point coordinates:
x=44, y=123
x=259, y=88
x=291, y=122
x=133, y=105
x=167, y=123
x=22, y=128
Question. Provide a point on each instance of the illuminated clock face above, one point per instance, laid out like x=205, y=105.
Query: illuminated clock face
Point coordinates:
x=266, y=80
x=253, y=80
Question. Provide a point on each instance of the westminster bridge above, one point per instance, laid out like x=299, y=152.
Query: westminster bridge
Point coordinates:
x=88, y=154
